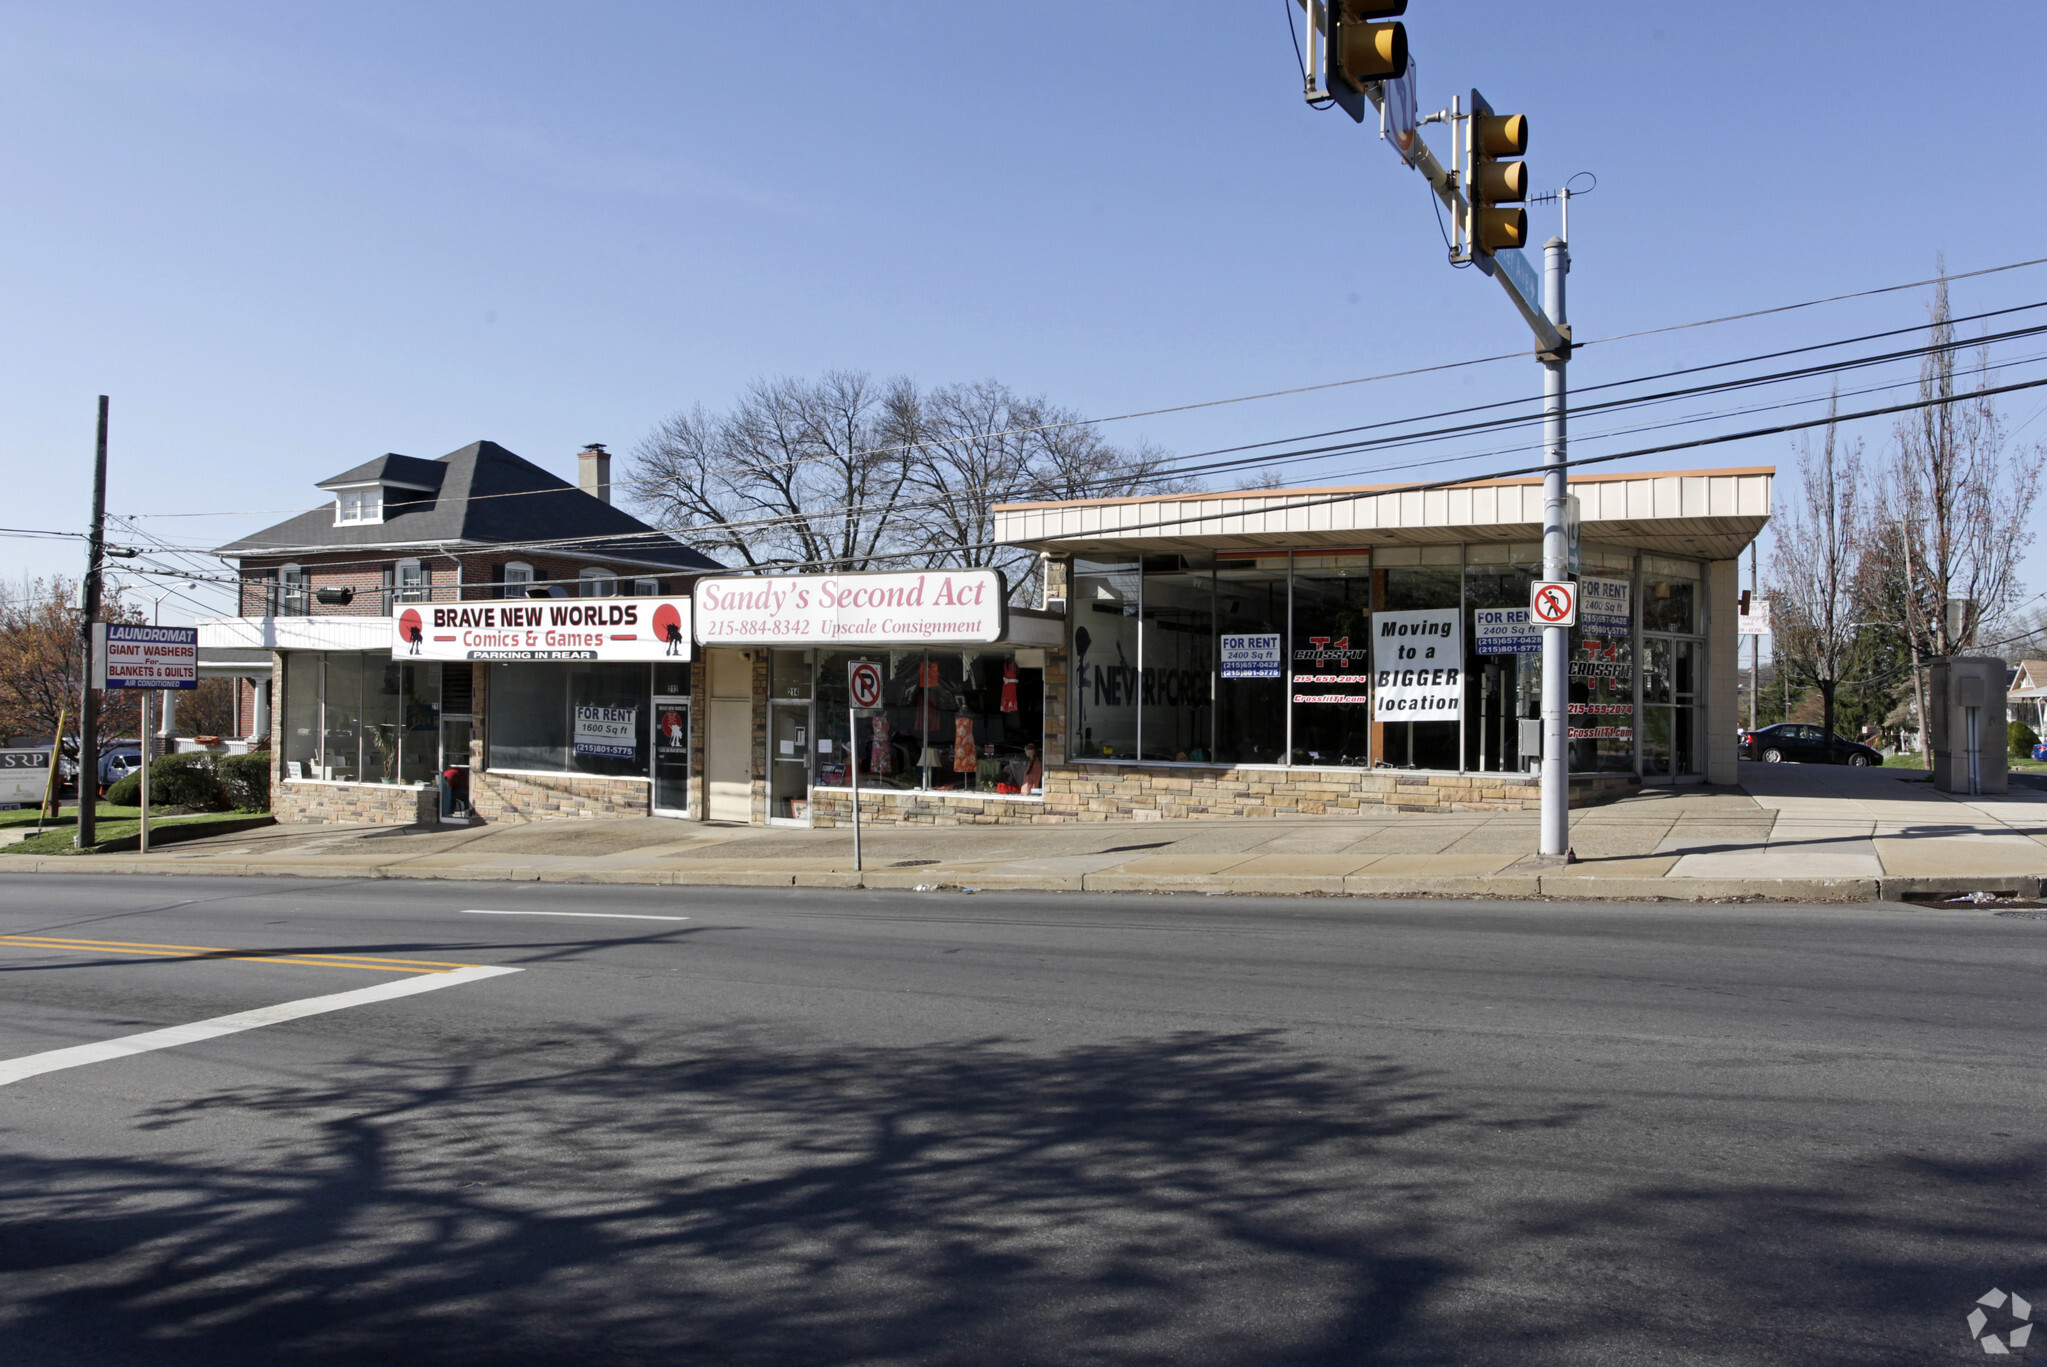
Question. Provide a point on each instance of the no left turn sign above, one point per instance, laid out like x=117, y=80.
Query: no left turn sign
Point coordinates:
x=863, y=678
x=1554, y=604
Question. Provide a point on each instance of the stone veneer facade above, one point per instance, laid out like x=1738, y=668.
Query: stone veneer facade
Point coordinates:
x=1131, y=792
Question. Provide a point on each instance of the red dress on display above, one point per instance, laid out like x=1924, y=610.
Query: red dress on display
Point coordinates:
x=881, y=755
x=964, y=760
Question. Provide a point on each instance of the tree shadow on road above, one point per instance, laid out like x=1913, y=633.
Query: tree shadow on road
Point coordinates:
x=632, y=1196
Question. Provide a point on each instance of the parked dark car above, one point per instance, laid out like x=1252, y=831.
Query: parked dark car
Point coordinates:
x=1793, y=742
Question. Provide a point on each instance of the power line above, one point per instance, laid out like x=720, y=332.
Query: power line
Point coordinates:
x=1382, y=491
x=1395, y=441
x=1277, y=393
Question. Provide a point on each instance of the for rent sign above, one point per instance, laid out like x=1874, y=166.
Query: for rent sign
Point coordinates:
x=543, y=629
x=931, y=607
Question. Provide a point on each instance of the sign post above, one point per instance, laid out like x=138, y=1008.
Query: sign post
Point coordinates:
x=53, y=791
x=148, y=658
x=863, y=692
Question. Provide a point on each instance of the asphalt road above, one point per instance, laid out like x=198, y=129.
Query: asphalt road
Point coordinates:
x=879, y=1128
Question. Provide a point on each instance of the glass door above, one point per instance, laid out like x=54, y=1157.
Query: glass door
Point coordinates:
x=789, y=760
x=671, y=756
x=1671, y=681
x=454, y=776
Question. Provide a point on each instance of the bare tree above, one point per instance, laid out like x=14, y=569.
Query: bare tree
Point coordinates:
x=799, y=473
x=1965, y=503
x=845, y=474
x=977, y=446
x=1960, y=505
x=1815, y=600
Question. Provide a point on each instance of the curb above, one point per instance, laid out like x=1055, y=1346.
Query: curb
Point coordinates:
x=1562, y=886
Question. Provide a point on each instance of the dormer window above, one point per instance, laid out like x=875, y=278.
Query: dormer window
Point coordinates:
x=357, y=507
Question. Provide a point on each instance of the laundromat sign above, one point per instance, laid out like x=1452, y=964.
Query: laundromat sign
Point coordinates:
x=928, y=607
x=544, y=629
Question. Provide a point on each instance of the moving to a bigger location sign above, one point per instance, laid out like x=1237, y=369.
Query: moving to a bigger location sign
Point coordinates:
x=543, y=629
x=129, y=656
x=1418, y=665
x=931, y=607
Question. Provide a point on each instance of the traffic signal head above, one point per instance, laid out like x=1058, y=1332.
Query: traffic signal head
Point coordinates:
x=1495, y=181
x=1363, y=50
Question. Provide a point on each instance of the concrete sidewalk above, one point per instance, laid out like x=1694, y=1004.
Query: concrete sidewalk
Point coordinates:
x=1802, y=832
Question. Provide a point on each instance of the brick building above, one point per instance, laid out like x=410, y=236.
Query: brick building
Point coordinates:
x=359, y=732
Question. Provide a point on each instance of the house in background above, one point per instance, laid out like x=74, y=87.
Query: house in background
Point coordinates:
x=2026, y=694
x=359, y=733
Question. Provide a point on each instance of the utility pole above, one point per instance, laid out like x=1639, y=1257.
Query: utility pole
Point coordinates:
x=87, y=834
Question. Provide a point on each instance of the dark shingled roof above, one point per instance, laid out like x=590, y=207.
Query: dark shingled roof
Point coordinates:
x=481, y=495
x=394, y=469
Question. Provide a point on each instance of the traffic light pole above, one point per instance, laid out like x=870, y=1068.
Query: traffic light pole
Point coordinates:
x=1465, y=188
x=1556, y=567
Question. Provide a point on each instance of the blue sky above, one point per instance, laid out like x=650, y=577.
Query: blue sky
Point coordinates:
x=289, y=238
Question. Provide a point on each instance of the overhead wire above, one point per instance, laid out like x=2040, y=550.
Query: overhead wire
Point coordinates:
x=1353, y=495
x=1280, y=393
x=1395, y=441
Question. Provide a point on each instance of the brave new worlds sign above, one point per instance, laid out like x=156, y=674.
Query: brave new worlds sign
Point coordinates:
x=544, y=629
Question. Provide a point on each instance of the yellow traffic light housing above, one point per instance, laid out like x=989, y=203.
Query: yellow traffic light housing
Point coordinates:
x=1494, y=181
x=1362, y=50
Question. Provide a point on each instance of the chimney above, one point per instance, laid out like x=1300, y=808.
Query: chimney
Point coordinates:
x=593, y=471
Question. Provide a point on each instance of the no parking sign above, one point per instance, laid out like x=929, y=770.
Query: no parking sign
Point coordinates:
x=863, y=680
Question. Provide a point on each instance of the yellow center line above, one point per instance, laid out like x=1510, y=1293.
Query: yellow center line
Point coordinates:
x=359, y=961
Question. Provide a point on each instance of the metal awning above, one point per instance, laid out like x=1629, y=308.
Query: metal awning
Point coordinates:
x=1711, y=514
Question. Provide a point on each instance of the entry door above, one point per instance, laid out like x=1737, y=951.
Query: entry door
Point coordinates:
x=728, y=736
x=789, y=761
x=728, y=755
x=454, y=775
x=671, y=756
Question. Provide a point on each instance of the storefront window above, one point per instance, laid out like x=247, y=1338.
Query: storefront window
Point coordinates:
x=301, y=739
x=1503, y=654
x=951, y=721
x=1331, y=655
x=1251, y=685
x=341, y=724
x=1286, y=641
x=1670, y=593
x=1433, y=579
x=355, y=718
x=585, y=717
x=1105, y=680
x=1178, y=617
